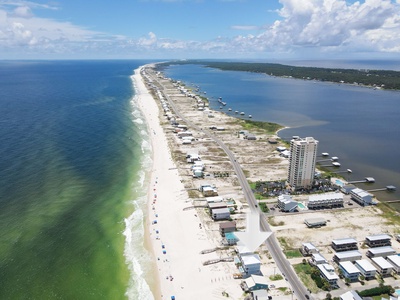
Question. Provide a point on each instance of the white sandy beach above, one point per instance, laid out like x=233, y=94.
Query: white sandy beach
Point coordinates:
x=176, y=235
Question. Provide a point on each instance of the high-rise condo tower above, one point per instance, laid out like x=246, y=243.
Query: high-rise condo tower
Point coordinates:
x=303, y=154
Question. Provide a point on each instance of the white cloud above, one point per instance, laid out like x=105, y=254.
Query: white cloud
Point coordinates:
x=334, y=23
x=323, y=26
x=23, y=12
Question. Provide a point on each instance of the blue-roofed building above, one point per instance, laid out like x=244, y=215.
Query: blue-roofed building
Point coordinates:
x=230, y=239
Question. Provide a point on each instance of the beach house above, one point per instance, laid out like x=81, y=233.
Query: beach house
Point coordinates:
x=308, y=249
x=361, y=197
x=380, y=252
x=249, y=264
x=226, y=227
x=383, y=267
x=344, y=244
x=254, y=282
x=349, y=271
x=221, y=214
x=378, y=240
x=286, y=203
x=395, y=262
x=317, y=259
x=351, y=255
x=366, y=268
x=328, y=272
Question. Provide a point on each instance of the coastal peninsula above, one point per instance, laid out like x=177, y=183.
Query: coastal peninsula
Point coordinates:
x=186, y=242
x=380, y=79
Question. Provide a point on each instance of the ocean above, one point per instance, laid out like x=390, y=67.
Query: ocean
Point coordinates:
x=357, y=124
x=72, y=181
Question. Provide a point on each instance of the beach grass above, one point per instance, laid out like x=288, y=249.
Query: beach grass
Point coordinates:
x=304, y=273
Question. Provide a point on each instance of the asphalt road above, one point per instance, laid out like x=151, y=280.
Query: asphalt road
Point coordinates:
x=298, y=289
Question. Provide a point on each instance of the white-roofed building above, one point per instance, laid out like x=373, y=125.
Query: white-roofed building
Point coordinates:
x=395, y=261
x=351, y=256
x=349, y=270
x=308, y=248
x=260, y=295
x=384, y=267
x=328, y=272
x=350, y=295
x=378, y=240
x=209, y=191
x=286, y=203
x=361, y=197
x=366, y=268
x=380, y=251
x=248, y=264
x=318, y=259
x=325, y=200
x=221, y=214
x=214, y=199
x=344, y=244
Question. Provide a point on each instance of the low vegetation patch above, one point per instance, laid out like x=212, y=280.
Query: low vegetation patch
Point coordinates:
x=272, y=222
x=377, y=291
x=267, y=126
x=263, y=206
x=276, y=277
x=309, y=275
x=293, y=253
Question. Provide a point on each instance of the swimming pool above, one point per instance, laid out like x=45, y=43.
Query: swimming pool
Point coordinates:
x=301, y=205
x=339, y=182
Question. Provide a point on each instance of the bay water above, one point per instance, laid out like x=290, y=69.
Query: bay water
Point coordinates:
x=357, y=124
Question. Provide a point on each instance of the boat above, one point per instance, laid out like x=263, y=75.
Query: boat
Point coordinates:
x=223, y=103
x=242, y=113
x=250, y=116
x=236, y=112
x=230, y=109
x=220, y=107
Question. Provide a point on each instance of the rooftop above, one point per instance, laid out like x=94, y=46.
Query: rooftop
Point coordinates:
x=378, y=237
x=382, y=263
x=344, y=241
x=365, y=265
x=352, y=253
x=349, y=267
x=381, y=250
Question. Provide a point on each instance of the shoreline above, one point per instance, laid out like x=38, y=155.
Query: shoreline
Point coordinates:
x=175, y=239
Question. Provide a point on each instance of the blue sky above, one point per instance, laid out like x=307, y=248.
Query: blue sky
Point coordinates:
x=165, y=29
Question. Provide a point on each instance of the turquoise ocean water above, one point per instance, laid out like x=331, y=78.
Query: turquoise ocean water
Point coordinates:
x=72, y=186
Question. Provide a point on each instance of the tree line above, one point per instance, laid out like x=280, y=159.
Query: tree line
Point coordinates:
x=386, y=79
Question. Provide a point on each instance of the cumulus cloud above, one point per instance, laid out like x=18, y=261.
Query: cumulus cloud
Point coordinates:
x=334, y=23
x=315, y=25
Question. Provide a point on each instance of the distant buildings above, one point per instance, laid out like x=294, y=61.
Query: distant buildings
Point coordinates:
x=303, y=153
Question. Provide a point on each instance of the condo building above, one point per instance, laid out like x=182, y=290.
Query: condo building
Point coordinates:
x=303, y=153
